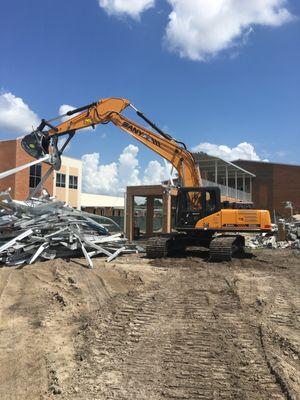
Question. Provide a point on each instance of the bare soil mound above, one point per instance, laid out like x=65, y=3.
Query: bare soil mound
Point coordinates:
x=178, y=328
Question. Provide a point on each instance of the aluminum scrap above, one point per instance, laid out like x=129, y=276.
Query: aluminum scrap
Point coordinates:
x=44, y=228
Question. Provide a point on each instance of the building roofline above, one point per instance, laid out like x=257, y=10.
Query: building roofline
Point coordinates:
x=105, y=195
x=268, y=163
x=21, y=137
x=242, y=169
x=210, y=158
x=8, y=140
x=72, y=158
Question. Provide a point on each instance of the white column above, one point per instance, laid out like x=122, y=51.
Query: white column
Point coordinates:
x=227, y=180
x=236, y=189
x=54, y=183
x=216, y=171
x=67, y=185
x=79, y=188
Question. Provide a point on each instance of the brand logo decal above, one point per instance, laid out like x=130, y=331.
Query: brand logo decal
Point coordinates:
x=140, y=133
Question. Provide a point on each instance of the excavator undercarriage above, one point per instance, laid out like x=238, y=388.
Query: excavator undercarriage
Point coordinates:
x=221, y=248
x=202, y=220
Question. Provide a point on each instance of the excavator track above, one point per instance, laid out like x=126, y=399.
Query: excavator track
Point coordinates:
x=157, y=247
x=222, y=248
x=163, y=246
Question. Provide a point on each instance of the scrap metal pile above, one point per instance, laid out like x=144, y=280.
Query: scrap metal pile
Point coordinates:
x=291, y=231
x=43, y=229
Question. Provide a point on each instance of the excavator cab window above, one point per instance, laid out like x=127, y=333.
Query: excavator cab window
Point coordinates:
x=196, y=203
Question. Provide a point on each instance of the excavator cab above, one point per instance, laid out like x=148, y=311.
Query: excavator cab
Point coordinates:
x=196, y=203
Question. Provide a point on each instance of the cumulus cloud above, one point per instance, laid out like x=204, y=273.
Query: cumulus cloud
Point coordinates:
x=99, y=178
x=155, y=173
x=113, y=178
x=132, y=8
x=201, y=29
x=15, y=115
x=243, y=151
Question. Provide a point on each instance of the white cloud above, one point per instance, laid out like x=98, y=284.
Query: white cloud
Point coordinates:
x=155, y=173
x=15, y=115
x=113, y=178
x=132, y=8
x=129, y=167
x=243, y=151
x=63, y=109
x=200, y=29
x=99, y=178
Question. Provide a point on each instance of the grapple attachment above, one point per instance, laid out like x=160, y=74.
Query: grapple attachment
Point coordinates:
x=36, y=144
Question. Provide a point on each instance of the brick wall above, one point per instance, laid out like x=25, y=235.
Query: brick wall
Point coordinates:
x=12, y=155
x=274, y=184
x=7, y=161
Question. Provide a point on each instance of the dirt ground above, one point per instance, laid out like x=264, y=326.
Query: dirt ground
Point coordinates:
x=179, y=328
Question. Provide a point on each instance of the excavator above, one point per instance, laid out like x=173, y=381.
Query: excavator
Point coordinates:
x=202, y=219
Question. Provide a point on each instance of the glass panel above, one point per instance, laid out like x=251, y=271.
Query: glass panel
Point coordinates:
x=31, y=182
x=60, y=180
x=73, y=182
x=194, y=201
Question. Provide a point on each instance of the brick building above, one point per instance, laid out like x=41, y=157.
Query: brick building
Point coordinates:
x=274, y=185
x=64, y=184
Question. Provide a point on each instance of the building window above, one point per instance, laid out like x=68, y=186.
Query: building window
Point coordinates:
x=35, y=174
x=60, y=180
x=73, y=182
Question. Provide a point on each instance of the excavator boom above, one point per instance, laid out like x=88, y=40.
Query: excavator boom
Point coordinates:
x=110, y=110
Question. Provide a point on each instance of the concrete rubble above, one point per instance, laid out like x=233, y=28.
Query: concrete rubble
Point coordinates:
x=44, y=229
x=290, y=230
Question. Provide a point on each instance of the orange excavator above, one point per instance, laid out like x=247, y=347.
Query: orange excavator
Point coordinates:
x=201, y=218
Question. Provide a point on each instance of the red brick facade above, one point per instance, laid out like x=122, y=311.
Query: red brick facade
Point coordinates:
x=274, y=185
x=12, y=155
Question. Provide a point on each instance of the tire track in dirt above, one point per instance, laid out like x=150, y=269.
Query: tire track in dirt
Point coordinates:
x=182, y=340
x=21, y=377
x=134, y=330
x=279, y=335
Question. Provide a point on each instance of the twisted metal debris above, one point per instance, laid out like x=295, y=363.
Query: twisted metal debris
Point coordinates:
x=44, y=229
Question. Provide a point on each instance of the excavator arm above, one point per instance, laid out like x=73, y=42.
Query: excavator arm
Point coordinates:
x=40, y=142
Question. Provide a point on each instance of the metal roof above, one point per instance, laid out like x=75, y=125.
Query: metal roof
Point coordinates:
x=208, y=163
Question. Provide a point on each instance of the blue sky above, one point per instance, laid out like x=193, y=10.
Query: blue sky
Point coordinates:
x=74, y=52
